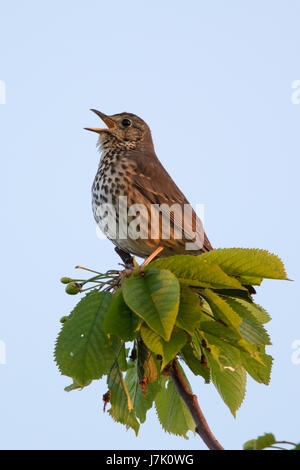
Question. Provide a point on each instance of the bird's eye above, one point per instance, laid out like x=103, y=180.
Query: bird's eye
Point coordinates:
x=126, y=122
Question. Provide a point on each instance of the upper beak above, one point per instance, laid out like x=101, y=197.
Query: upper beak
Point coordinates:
x=108, y=121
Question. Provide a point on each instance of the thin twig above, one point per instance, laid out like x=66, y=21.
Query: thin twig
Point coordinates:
x=274, y=447
x=191, y=402
x=286, y=442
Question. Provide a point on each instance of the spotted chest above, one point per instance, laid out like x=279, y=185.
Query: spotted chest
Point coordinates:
x=112, y=180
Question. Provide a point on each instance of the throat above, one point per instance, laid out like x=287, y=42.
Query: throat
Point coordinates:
x=108, y=143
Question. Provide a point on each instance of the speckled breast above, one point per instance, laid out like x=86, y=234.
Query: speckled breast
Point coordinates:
x=111, y=190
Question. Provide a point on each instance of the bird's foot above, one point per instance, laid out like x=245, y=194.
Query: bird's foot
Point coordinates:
x=125, y=273
x=127, y=259
x=130, y=265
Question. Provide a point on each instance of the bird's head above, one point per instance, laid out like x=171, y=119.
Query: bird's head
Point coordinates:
x=123, y=130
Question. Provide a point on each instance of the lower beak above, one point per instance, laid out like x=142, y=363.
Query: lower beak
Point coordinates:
x=108, y=121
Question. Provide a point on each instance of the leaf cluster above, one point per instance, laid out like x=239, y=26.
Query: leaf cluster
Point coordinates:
x=268, y=441
x=195, y=309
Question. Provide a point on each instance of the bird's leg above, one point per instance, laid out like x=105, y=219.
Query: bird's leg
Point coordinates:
x=150, y=258
x=125, y=257
x=130, y=263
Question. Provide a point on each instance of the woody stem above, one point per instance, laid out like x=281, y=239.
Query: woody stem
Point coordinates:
x=192, y=404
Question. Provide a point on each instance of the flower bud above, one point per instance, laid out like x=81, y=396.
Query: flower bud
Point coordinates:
x=65, y=280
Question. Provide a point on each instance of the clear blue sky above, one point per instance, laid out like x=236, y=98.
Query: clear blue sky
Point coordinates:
x=214, y=82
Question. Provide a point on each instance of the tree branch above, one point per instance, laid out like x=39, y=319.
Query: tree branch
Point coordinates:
x=191, y=402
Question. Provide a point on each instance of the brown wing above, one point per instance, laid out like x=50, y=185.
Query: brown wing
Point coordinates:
x=155, y=184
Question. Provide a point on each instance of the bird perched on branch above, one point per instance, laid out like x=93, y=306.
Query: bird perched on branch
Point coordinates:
x=157, y=217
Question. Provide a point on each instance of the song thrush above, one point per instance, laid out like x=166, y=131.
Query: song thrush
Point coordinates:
x=129, y=168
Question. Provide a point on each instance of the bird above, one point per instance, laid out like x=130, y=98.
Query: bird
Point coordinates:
x=130, y=171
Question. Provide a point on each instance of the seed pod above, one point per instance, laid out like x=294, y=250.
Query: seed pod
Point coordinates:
x=73, y=288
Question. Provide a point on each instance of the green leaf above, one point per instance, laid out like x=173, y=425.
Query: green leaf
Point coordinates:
x=256, y=310
x=83, y=351
x=147, y=366
x=121, y=405
x=73, y=386
x=220, y=331
x=142, y=397
x=264, y=441
x=221, y=309
x=120, y=320
x=195, y=364
x=167, y=349
x=247, y=262
x=231, y=384
x=250, y=280
x=155, y=298
x=190, y=311
x=250, y=445
x=261, y=372
x=252, y=331
x=197, y=271
x=172, y=412
x=259, y=313
x=224, y=353
x=239, y=294
x=122, y=358
x=261, y=442
x=227, y=373
x=141, y=402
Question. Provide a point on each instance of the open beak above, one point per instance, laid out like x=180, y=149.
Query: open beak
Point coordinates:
x=108, y=121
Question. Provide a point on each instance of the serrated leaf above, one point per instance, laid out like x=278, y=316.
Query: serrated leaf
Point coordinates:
x=190, y=312
x=195, y=364
x=224, y=353
x=259, y=313
x=142, y=400
x=155, y=298
x=221, y=310
x=250, y=280
x=220, y=331
x=83, y=351
x=256, y=310
x=120, y=320
x=231, y=385
x=172, y=412
x=195, y=271
x=261, y=372
x=247, y=262
x=252, y=331
x=121, y=405
x=167, y=349
x=227, y=374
